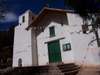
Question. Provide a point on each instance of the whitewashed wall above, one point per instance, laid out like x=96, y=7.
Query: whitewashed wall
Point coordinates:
x=60, y=32
x=22, y=42
x=82, y=52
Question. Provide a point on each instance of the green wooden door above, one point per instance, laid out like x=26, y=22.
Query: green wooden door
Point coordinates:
x=54, y=51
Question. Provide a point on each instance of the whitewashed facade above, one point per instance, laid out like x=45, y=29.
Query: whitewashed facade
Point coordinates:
x=22, y=42
x=32, y=45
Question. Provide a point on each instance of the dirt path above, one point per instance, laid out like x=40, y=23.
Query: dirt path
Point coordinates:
x=89, y=71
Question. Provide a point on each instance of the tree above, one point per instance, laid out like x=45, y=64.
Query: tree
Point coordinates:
x=3, y=8
x=88, y=10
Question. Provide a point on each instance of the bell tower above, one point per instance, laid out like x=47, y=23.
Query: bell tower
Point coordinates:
x=22, y=48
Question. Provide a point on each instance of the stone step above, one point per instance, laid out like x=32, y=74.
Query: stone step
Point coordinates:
x=52, y=69
x=69, y=69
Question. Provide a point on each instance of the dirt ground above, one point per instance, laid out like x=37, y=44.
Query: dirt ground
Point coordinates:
x=89, y=71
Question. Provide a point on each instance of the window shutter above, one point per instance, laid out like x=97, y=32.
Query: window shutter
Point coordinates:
x=66, y=47
x=52, y=31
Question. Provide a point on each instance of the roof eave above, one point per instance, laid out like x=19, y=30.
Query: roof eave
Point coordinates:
x=48, y=9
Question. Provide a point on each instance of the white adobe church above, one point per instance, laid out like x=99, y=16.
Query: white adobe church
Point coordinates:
x=53, y=36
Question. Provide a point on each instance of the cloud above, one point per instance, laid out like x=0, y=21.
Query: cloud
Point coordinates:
x=9, y=17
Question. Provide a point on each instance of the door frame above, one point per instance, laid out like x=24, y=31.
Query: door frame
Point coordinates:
x=58, y=41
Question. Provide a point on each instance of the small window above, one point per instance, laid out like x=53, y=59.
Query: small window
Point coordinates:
x=85, y=28
x=66, y=47
x=19, y=62
x=52, y=31
x=23, y=19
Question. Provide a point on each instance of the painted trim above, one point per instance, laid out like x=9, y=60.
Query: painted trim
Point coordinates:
x=55, y=40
